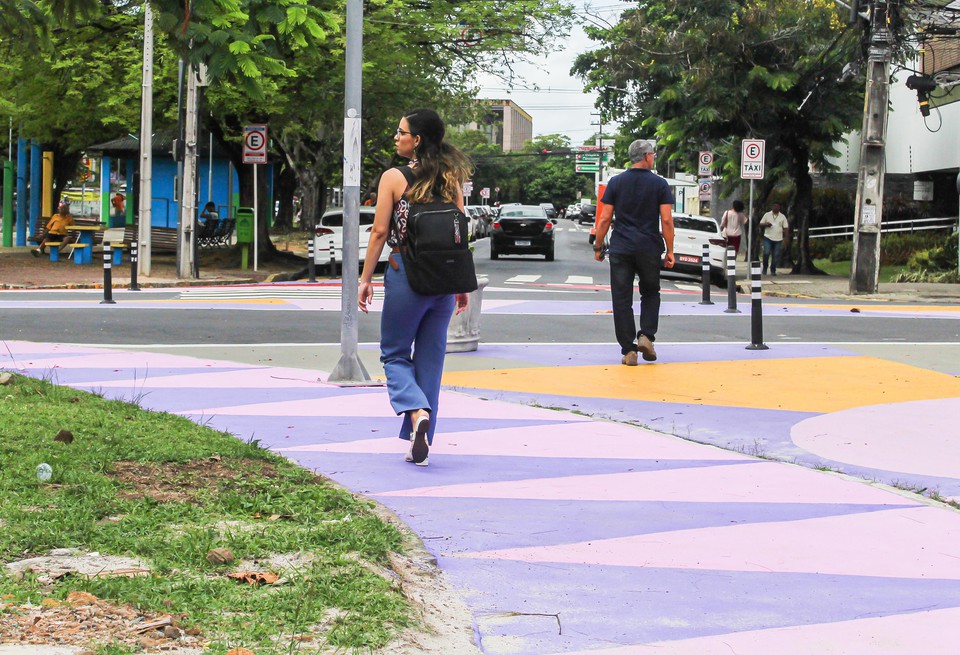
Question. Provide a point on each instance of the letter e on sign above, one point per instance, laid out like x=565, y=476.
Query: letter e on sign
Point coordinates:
x=255, y=144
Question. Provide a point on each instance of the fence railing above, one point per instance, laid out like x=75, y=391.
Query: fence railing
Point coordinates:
x=913, y=225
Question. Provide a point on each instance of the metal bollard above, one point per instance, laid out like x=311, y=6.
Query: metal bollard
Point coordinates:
x=756, y=309
x=133, y=267
x=705, y=275
x=311, y=265
x=333, y=259
x=107, y=276
x=731, y=282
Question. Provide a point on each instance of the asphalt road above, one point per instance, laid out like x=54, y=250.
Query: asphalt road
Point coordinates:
x=77, y=316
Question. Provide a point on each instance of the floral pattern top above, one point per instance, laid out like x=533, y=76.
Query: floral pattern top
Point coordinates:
x=398, y=220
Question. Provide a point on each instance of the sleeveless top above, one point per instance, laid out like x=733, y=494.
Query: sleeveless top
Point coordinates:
x=398, y=221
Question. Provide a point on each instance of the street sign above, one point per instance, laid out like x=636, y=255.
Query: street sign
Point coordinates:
x=751, y=159
x=705, y=164
x=706, y=189
x=588, y=168
x=485, y=192
x=467, y=188
x=255, y=144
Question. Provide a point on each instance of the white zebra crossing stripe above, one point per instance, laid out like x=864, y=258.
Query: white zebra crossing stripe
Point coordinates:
x=687, y=287
x=579, y=279
x=523, y=279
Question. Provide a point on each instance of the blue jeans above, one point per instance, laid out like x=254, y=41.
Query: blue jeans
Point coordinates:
x=771, y=252
x=624, y=269
x=413, y=344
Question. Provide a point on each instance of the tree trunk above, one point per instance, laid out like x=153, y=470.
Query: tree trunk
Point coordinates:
x=802, y=204
x=285, y=186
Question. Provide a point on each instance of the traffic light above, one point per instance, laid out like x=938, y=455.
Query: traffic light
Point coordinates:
x=923, y=85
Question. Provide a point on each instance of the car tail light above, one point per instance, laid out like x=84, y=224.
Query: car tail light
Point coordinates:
x=322, y=231
x=549, y=225
x=718, y=242
x=496, y=225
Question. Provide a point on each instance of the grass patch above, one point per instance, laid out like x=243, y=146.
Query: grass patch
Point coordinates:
x=163, y=489
x=887, y=273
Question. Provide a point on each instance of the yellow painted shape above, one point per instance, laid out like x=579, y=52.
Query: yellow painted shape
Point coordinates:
x=815, y=384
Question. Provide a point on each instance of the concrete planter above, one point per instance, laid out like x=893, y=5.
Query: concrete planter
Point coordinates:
x=463, y=334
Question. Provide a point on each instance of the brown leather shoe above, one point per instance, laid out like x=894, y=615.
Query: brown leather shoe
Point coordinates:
x=645, y=346
x=630, y=359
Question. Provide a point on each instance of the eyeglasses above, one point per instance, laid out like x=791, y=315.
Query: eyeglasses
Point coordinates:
x=400, y=132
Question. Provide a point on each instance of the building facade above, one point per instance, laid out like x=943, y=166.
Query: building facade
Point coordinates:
x=505, y=123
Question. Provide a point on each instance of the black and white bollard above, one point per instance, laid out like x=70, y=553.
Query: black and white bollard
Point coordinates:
x=133, y=267
x=333, y=260
x=731, y=282
x=107, y=276
x=311, y=264
x=756, y=309
x=705, y=275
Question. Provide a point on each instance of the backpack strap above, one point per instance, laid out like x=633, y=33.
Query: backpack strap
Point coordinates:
x=407, y=173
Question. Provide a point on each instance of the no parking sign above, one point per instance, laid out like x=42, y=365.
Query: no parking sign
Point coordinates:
x=706, y=189
x=705, y=164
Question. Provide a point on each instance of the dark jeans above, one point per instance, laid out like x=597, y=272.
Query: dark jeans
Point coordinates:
x=624, y=269
x=771, y=252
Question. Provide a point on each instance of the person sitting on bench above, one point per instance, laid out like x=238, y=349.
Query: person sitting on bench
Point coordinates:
x=56, y=230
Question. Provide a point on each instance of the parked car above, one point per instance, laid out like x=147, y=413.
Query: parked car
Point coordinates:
x=330, y=229
x=573, y=211
x=588, y=214
x=689, y=235
x=522, y=230
x=477, y=224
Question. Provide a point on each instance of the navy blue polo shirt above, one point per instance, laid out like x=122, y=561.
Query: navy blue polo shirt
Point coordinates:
x=636, y=195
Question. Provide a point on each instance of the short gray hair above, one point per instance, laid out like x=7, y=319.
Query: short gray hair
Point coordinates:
x=640, y=149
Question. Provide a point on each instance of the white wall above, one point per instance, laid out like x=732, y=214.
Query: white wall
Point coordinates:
x=911, y=147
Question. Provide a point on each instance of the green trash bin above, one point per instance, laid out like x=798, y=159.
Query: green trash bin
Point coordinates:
x=244, y=225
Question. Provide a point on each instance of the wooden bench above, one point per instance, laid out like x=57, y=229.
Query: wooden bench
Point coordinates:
x=162, y=239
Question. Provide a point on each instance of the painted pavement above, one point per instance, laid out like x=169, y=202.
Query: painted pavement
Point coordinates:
x=569, y=533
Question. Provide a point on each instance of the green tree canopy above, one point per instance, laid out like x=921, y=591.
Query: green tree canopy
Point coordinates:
x=706, y=75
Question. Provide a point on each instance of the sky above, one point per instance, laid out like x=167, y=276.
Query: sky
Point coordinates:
x=559, y=106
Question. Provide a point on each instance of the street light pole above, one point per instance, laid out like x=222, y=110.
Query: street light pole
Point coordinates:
x=349, y=369
x=145, y=213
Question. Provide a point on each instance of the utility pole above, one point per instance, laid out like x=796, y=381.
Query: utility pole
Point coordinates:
x=865, y=266
x=145, y=213
x=188, y=185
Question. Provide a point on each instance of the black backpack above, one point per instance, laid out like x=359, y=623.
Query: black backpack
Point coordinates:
x=436, y=253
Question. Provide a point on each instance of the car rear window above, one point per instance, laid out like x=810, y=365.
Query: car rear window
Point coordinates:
x=523, y=213
x=336, y=220
x=695, y=224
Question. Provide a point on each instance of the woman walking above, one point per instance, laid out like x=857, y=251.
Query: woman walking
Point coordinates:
x=413, y=327
x=731, y=226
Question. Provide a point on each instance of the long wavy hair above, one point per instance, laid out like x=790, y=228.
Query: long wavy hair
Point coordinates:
x=441, y=168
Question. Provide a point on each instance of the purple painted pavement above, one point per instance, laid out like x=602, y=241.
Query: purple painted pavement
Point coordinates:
x=579, y=535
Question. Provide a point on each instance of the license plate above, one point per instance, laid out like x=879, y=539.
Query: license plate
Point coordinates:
x=688, y=259
x=519, y=242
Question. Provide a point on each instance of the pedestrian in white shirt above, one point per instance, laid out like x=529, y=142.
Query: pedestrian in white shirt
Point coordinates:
x=775, y=227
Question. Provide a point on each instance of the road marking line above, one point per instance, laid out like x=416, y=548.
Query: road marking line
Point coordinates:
x=521, y=279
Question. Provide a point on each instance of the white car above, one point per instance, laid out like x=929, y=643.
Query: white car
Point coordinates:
x=478, y=224
x=689, y=234
x=329, y=230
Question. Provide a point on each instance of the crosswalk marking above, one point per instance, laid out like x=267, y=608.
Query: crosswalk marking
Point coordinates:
x=579, y=279
x=687, y=287
x=258, y=293
x=523, y=279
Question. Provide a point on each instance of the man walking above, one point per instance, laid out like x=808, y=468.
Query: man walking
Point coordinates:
x=775, y=227
x=642, y=203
